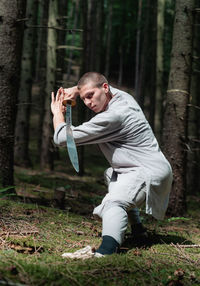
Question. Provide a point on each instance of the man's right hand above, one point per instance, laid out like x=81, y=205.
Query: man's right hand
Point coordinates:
x=71, y=93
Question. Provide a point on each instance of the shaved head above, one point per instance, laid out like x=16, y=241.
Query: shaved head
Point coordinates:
x=95, y=78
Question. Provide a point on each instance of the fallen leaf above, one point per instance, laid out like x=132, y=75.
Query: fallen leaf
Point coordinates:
x=79, y=232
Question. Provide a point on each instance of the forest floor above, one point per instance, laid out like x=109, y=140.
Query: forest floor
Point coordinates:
x=43, y=224
x=53, y=214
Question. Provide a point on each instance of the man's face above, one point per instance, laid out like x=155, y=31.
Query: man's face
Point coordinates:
x=95, y=98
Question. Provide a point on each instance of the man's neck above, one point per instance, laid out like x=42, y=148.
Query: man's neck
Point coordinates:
x=109, y=96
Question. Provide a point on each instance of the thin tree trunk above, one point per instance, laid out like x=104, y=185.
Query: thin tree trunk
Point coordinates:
x=159, y=66
x=62, y=21
x=108, y=41
x=24, y=97
x=41, y=66
x=75, y=15
x=122, y=46
x=84, y=68
x=85, y=52
x=175, y=121
x=91, y=27
x=99, y=35
x=152, y=67
x=11, y=36
x=145, y=55
x=46, y=157
x=137, y=64
x=121, y=54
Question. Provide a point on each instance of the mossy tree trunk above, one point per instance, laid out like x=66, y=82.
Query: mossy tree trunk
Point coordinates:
x=175, y=120
x=11, y=35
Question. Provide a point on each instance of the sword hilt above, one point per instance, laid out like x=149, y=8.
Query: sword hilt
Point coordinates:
x=69, y=101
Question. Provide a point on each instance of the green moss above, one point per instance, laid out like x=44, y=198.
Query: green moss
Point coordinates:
x=62, y=231
x=33, y=238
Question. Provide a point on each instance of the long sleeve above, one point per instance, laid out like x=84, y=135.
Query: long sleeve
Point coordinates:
x=104, y=127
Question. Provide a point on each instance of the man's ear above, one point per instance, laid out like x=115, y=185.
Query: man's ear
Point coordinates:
x=106, y=87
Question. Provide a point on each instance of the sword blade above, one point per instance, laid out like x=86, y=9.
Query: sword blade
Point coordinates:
x=71, y=146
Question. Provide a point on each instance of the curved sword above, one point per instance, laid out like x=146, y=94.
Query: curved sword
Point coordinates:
x=71, y=146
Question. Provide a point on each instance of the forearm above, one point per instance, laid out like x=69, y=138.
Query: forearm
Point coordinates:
x=57, y=119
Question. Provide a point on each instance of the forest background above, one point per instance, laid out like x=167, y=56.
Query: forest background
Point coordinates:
x=147, y=48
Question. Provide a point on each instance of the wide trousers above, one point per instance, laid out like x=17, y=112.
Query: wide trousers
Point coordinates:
x=126, y=193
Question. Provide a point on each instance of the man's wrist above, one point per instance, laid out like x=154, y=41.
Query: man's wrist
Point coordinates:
x=71, y=92
x=57, y=119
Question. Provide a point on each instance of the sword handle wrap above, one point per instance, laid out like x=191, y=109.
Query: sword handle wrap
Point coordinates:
x=69, y=102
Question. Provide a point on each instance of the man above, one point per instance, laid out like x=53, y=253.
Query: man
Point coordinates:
x=139, y=171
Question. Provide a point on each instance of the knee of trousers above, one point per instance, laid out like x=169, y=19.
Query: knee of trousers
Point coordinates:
x=126, y=206
x=111, y=204
x=106, y=205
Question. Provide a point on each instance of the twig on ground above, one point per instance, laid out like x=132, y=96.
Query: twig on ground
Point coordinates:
x=10, y=283
x=185, y=245
x=24, y=232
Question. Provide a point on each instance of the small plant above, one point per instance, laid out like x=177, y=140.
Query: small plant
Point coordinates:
x=4, y=192
x=178, y=218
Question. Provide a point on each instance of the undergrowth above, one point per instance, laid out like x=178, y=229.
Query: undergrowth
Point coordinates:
x=34, y=236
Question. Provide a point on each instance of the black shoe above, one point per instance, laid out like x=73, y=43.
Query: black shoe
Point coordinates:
x=138, y=231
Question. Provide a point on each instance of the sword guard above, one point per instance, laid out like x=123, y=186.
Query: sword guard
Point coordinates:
x=69, y=102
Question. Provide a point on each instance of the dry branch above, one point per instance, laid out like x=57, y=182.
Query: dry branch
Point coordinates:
x=28, y=232
x=186, y=245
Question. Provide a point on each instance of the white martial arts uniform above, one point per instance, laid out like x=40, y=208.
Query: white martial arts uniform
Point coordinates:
x=139, y=170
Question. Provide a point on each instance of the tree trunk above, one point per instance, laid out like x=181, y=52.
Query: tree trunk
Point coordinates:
x=121, y=59
x=11, y=35
x=91, y=35
x=145, y=56
x=137, y=60
x=62, y=21
x=175, y=120
x=122, y=46
x=193, y=159
x=159, y=67
x=24, y=95
x=152, y=66
x=108, y=38
x=75, y=15
x=41, y=64
x=99, y=35
x=46, y=157
x=84, y=68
